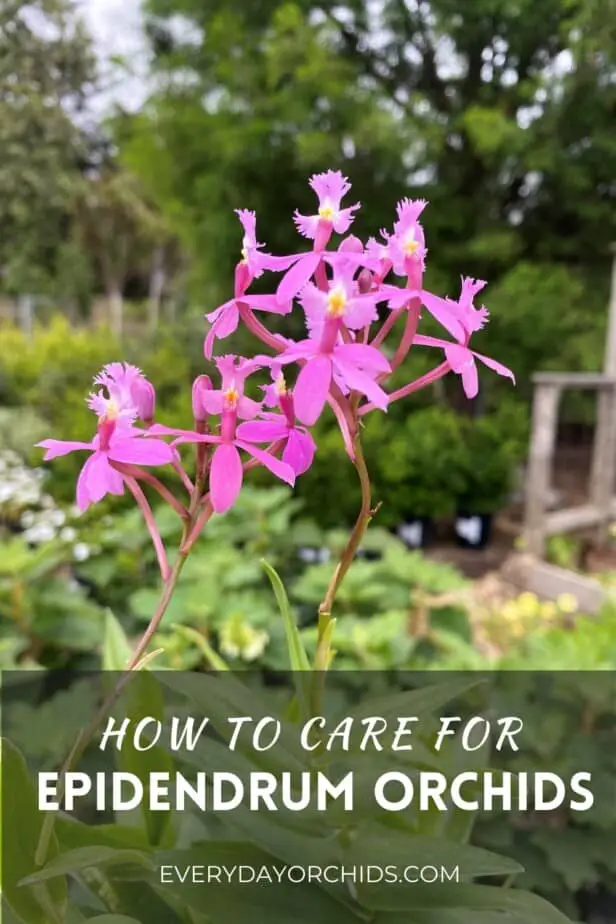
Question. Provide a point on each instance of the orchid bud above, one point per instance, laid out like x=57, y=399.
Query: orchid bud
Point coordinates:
x=351, y=244
x=201, y=385
x=144, y=396
x=364, y=281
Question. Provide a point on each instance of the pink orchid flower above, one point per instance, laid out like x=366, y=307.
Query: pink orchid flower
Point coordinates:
x=404, y=251
x=230, y=396
x=407, y=245
x=330, y=187
x=225, y=319
x=471, y=318
x=230, y=402
x=461, y=359
x=129, y=390
x=353, y=366
x=117, y=440
x=444, y=311
x=299, y=446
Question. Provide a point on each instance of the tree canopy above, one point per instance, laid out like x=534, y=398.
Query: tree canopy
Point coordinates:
x=46, y=70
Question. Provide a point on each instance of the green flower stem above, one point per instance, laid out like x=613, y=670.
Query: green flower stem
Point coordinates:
x=366, y=513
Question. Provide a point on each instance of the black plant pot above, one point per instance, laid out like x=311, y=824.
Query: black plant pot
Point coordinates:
x=416, y=532
x=473, y=530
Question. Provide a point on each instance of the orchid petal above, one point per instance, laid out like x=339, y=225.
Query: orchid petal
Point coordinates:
x=311, y=388
x=141, y=452
x=276, y=467
x=226, y=476
x=297, y=277
x=299, y=451
x=357, y=380
x=56, y=448
x=470, y=379
x=495, y=366
x=262, y=431
x=363, y=355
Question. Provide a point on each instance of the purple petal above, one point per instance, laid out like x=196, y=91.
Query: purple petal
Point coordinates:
x=267, y=303
x=470, y=379
x=298, y=276
x=360, y=312
x=344, y=219
x=213, y=401
x=299, y=451
x=311, y=388
x=495, y=366
x=262, y=431
x=422, y=340
x=362, y=355
x=57, y=448
x=276, y=467
x=458, y=356
x=141, y=452
x=224, y=324
x=357, y=380
x=443, y=312
x=225, y=477
x=96, y=479
x=247, y=408
x=303, y=349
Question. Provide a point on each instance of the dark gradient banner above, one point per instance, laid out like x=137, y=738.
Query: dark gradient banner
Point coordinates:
x=346, y=797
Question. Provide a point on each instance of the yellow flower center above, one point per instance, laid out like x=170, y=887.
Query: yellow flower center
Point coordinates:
x=231, y=396
x=336, y=302
x=112, y=411
x=280, y=385
x=410, y=244
x=327, y=213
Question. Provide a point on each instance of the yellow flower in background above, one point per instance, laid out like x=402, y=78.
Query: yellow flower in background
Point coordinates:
x=528, y=604
x=549, y=611
x=567, y=603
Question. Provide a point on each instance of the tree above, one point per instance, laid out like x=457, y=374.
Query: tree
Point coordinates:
x=498, y=111
x=46, y=71
x=122, y=233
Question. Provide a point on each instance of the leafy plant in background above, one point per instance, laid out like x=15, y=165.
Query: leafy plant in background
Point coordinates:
x=491, y=446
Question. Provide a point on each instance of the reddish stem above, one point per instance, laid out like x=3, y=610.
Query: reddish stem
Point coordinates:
x=148, y=516
x=133, y=471
x=256, y=328
x=433, y=376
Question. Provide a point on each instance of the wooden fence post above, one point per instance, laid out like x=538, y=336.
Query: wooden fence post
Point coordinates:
x=603, y=471
x=543, y=437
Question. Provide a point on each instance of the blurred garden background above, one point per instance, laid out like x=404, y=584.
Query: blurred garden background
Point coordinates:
x=118, y=180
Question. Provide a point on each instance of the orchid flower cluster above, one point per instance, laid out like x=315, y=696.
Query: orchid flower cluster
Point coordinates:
x=352, y=297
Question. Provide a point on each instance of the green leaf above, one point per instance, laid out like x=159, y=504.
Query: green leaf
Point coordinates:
x=211, y=656
x=21, y=816
x=116, y=647
x=524, y=905
x=300, y=663
x=144, y=698
x=114, y=919
x=297, y=653
x=85, y=857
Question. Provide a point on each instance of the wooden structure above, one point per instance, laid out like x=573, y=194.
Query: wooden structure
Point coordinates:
x=600, y=508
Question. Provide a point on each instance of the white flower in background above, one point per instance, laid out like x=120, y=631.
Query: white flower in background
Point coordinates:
x=39, y=533
x=68, y=534
x=81, y=551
